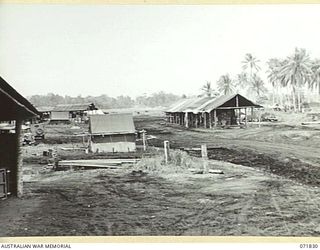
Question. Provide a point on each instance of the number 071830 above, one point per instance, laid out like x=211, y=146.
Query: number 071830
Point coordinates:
x=309, y=246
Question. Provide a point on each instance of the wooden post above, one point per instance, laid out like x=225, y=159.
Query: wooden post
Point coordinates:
x=186, y=120
x=166, y=151
x=204, y=154
x=205, y=120
x=196, y=120
x=237, y=110
x=210, y=120
x=215, y=117
x=246, y=117
x=259, y=118
x=144, y=141
x=17, y=173
x=252, y=116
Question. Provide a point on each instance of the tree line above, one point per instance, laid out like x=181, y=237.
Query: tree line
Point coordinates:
x=105, y=102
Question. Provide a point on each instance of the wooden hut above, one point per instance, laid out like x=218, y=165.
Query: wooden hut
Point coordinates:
x=112, y=133
x=14, y=108
x=209, y=112
x=71, y=112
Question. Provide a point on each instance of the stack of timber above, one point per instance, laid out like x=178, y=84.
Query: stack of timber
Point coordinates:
x=96, y=163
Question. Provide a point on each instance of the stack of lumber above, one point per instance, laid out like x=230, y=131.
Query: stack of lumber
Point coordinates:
x=97, y=163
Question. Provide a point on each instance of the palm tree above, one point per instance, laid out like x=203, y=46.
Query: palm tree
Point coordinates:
x=257, y=86
x=241, y=80
x=207, y=89
x=225, y=84
x=296, y=72
x=315, y=76
x=252, y=63
x=274, y=65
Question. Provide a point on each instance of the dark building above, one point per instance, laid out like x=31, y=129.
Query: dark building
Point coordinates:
x=14, y=108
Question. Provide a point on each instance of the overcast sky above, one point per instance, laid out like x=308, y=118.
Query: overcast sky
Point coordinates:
x=131, y=50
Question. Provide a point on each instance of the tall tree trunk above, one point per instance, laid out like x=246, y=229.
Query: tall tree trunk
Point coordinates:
x=293, y=84
x=299, y=100
x=294, y=100
x=280, y=96
x=273, y=96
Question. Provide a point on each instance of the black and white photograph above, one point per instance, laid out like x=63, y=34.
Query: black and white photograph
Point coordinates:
x=159, y=120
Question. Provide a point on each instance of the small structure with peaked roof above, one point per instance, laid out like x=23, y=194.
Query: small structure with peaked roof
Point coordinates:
x=209, y=112
x=14, y=108
x=71, y=112
x=112, y=133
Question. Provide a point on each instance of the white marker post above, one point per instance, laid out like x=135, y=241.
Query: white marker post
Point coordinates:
x=204, y=154
x=166, y=151
x=144, y=140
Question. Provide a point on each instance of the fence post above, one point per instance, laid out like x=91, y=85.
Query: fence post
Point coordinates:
x=166, y=151
x=204, y=154
x=144, y=140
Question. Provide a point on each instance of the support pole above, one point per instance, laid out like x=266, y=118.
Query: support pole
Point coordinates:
x=186, y=120
x=204, y=154
x=246, y=117
x=166, y=151
x=205, y=120
x=210, y=120
x=196, y=121
x=215, y=117
x=252, y=116
x=238, y=110
x=17, y=173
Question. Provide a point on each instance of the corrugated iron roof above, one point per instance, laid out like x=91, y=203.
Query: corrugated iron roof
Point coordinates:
x=13, y=105
x=206, y=104
x=45, y=109
x=72, y=107
x=112, y=124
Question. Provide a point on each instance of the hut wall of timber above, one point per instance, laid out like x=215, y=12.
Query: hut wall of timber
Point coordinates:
x=209, y=112
x=8, y=143
x=13, y=107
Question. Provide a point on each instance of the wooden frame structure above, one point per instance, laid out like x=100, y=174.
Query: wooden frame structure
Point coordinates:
x=14, y=107
x=208, y=112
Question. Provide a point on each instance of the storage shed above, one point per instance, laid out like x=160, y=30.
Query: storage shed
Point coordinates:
x=112, y=133
x=14, y=108
x=71, y=112
x=209, y=112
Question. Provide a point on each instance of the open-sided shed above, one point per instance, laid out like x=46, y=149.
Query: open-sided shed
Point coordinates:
x=71, y=112
x=211, y=112
x=14, y=108
x=112, y=133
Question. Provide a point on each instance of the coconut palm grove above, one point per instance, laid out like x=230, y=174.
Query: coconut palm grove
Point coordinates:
x=289, y=82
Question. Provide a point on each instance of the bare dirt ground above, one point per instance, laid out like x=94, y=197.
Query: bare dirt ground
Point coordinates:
x=270, y=187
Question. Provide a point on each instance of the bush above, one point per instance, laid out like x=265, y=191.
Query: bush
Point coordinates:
x=179, y=161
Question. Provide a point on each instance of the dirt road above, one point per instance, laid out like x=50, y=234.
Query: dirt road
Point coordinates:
x=293, y=155
x=242, y=201
x=270, y=187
